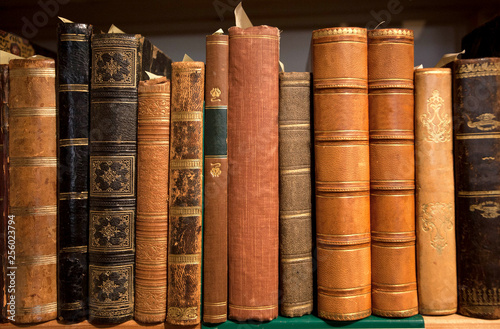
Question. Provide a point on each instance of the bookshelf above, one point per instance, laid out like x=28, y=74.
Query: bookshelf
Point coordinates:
x=166, y=21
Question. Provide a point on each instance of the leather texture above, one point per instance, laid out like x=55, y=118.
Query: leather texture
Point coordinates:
x=435, y=193
x=33, y=187
x=4, y=179
x=392, y=172
x=296, y=265
x=342, y=171
x=153, y=135
x=215, y=174
x=477, y=184
x=73, y=169
x=119, y=61
x=186, y=194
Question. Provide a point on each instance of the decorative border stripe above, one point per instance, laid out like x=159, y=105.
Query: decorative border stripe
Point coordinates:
x=73, y=87
x=33, y=112
x=32, y=72
x=73, y=142
x=184, y=259
x=33, y=162
x=186, y=164
x=42, y=210
x=185, y=211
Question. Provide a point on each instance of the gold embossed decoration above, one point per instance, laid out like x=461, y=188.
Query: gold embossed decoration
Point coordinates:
x=112, y=177
x=215, y=171
x=184, y=313
x=215, y=92
x=487, y=209
x=485, y=122
x=438, y=125
x=114, y=69
x=437, y=219
x=111, y=230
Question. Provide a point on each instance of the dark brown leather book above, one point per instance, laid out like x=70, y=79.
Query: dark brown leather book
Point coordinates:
x=342, y=164
x=215, y=194
x=392, y=172
x=119, y=62
x=151, y=232
x=253, y=188
x=476, y=114
x=73, y=90
x=296, y=266
x=32, y=189
x=483, y=41
x=4, y=179
x=186, y=194
x=435, y=193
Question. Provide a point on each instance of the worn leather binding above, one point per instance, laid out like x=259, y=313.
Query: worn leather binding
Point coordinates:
x=253, y=188
x=296, y=267
x=153, y=127
x=392, y=173
x=119, y=61
x=215, y=194
x=33, y=187
x=4, y=179
x=476, y=114
x=435, y=193
x=341, y=147
x=73, y=89
x=186, y=194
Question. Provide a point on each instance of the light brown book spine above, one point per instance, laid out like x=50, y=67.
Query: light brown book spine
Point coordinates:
x=216, y=171
x=253, y=189
x=33, y=188
x=342, y=173
x=153, y=128
x=392, y=171
x=185, y=193
x=296, y=266
x=435, y=193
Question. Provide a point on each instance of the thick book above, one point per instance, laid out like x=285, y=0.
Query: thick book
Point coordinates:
x=32, y=190
x=73, y=91
x=392, y=172
x=119, y=62
x=185, y=193
x=295, y=222
x=476, y=114
x=151, y=231
x=215, y=175
x=4, y=178
x=253, y=182
x=435, y=193
x=342, y=172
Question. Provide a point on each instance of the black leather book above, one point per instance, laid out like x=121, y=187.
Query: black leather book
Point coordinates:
x=476, y=120
x=119, y=62
x=73, y=84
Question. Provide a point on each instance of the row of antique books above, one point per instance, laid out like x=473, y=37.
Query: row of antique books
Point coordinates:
x=116, y=161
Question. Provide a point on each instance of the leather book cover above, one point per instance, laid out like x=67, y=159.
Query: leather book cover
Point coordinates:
x=151, y=232
x=119, y=61
x=15, y=44
x=253, y=182
x=435, y=193
x=33, y=189
x=476, y=115
x=185, y=193
x=4, y=179
x=215, y=174
x=392, y=172
x=73, y=91
x=342, y=162
x=296, y=266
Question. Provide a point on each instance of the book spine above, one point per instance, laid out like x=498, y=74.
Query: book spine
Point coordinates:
x=295, y=224
x=215, y=170
x=342, y=173
x=392, y=172
x=113, y=136
x=4, y=179
x=476, y=84
x=33, y=189
x=435, y=193
x=152, y=193
x=253, y=182
x=186, y=194
x=73, y=169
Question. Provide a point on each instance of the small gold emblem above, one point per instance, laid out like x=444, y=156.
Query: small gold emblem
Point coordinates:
x=485, y=123
x=215, y=171
x=488, y=209
x=215, y=92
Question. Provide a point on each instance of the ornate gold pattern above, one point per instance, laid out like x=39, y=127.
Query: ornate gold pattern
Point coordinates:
x=474, y=296
x=182, y=313
x=215, y=93
x=486, y=122
x=339, y=31
x=112, y=176
x=111, y=230
x=470, y=70
x=185, y=211
x=487, y=209
x=186, y=164
x=112, y=68
x=184, y=259
x=111, y=288
x=438, y=125
x=186, y=116
x=437, y=219
x=390, y=32
x=215, y=171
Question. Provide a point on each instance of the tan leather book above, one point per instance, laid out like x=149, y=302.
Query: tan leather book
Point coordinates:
x=33, y=189
x=185, y=193
x=392, y=171
x=151, y=229
x=435, y=193
x=216, y=170
x=342, y=172
x=253, y=189
x=296, y=265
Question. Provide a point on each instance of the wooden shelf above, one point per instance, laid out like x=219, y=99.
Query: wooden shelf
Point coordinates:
x=456, y=321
